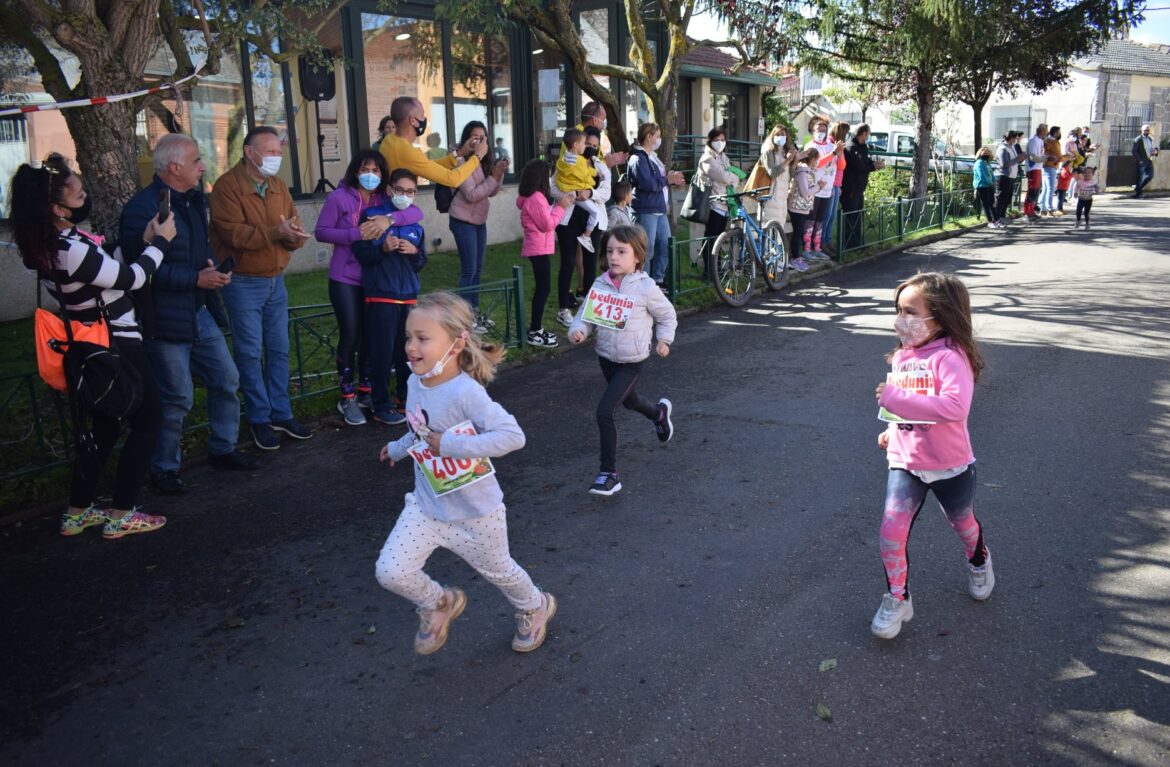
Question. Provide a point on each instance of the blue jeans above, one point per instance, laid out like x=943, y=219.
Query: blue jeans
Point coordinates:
x=471, y=242
x=831, y=217
x=657, y=227
x=1145, y=174
x=173, y=365
x=1048, y=189
x=258, y=307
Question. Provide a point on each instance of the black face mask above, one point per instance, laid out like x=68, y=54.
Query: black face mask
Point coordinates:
x=589, y=153
x=422, y=127
x=81, y=212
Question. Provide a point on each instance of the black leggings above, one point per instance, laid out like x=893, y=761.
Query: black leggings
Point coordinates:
x=567, y=233
x=349, y=306
x=1084, y=206
x=621, y=378
x=986, y=196
x=1004, y=187
x=715, y=226
x=797, y=237
x=134, y=459
x=542, y=282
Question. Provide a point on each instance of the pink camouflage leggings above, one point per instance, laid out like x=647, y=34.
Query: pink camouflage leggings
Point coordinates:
x=905, y=494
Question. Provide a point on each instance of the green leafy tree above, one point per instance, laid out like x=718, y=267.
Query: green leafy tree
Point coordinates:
x=112, y=41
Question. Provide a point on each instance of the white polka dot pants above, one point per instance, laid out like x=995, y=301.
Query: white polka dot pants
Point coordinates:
x=481, y=542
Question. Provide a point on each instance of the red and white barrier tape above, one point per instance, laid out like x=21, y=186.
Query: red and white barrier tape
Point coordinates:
x=95, y=101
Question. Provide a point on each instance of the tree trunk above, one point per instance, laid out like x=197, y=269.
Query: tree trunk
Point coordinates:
x=977, y=108
x=923, y=148
x=104, y=138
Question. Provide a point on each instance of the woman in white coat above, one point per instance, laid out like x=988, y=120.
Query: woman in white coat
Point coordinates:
x=777, y=158
x=715, y=176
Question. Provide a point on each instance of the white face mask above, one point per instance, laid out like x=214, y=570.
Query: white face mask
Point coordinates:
x=779, y=140
x=718, y=146
x=820, y=135
x=401, y=201
x=657, y=142
x=912, y=331
x=270, y=166
x=442, y=363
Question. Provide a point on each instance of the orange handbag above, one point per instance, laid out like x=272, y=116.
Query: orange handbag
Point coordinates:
x=53, y=338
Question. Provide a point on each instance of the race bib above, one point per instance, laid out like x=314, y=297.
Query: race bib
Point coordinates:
x=917, y=381
x=447, y=475
x=607, y=310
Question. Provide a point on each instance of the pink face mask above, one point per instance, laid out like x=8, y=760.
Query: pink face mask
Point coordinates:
x=912, y=331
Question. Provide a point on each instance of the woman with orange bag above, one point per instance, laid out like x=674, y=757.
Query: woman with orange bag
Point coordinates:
x=47, y=204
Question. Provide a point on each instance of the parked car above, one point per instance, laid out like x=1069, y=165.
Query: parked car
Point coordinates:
x=903, y=141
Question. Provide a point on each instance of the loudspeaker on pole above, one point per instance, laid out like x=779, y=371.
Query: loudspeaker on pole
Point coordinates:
x=317, y=81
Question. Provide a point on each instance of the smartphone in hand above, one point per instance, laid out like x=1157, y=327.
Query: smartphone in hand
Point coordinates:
x=226, y=265
x=164, y=205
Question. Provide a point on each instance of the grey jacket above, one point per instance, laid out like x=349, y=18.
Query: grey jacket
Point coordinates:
x=651, y=311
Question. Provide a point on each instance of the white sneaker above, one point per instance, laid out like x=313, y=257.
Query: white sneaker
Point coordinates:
x=565, y=317
x=980, y=580
x=1087, y=227
x=542, y=338
x=586, y=242
x=891, y=615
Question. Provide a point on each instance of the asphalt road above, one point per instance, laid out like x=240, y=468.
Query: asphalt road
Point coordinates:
x=698, y=605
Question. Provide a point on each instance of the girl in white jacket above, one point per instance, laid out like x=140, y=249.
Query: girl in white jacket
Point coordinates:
x=627, y=308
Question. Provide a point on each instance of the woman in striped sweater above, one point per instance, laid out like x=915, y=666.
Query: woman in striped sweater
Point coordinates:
x=47, y=204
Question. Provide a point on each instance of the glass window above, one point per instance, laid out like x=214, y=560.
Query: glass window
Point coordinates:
x=726, y=110
x=269, y=106
x=595, y=38
x=404, y=57
x=636, y=109
x=500, y=103
x=482, y=88
x=549, y=97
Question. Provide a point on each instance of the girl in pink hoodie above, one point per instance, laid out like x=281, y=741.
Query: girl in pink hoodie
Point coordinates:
x=926, y=399
x=539, y=217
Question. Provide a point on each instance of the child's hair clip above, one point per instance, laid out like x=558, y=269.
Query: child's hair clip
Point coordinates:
x=463, y=334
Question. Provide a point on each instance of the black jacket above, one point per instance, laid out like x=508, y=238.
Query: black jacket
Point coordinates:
x=858, y=166
x=173, y=294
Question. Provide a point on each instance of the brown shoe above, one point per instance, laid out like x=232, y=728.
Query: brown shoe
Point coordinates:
x=532, y=625
x=433, y=624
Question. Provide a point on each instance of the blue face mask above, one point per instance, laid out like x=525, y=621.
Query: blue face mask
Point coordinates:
x=370, y=181
x=401, y=201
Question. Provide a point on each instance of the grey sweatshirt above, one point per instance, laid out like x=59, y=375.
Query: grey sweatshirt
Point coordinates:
x=497, y=433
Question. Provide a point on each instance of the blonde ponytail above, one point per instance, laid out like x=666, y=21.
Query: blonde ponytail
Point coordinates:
x=478, y=359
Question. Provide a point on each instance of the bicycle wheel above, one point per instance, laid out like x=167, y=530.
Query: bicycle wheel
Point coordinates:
x=774, y=259
x=733, y=269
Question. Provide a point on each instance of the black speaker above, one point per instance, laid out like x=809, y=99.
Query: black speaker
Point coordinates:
x=317, y=81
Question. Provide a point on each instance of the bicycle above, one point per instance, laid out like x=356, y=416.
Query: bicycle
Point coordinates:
x=734, y=256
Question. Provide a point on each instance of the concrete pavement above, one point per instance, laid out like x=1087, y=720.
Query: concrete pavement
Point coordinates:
x=698, y=604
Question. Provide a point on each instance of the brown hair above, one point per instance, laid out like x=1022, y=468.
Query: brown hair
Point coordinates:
x=839, y=131
x=984, y=153
x=477, y=359
x=634, y=236
x=645, y=129
x=949, y=304
x=817, y=119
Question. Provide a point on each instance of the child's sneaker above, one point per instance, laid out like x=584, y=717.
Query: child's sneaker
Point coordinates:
x=542, y=338
x=1087, y=227
x=662, y=424
x=72, y=524
x=565, y=317
x=891, y=615
x=388, y=417
x=131, y=523
x=606, y=484
x=980, y=580
x=433, y=624
x=348, y=407
x=799, y=264
x=532, y=625
x=586, y=242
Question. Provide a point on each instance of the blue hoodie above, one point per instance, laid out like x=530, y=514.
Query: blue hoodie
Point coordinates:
x=391, y=275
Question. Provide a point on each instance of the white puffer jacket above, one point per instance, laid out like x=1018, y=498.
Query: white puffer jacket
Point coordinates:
x=652, y=311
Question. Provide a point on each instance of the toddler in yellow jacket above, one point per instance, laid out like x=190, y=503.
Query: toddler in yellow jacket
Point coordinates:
x=573, y=176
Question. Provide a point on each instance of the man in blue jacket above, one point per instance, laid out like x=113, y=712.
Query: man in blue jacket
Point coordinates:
x=183, y=335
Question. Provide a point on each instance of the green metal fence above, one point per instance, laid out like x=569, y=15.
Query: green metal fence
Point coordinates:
x=35, y=428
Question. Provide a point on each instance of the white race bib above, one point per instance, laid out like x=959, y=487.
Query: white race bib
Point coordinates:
x=606, y=309
x=917, y=381
x=447, y=475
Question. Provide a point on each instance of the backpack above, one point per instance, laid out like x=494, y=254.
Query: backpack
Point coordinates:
x=443, y=197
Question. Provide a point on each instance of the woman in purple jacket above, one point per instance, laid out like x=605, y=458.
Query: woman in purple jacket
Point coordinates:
x=364, y=185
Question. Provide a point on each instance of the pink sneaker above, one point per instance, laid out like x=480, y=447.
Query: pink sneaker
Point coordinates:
x=532, y=625
x=433, y=624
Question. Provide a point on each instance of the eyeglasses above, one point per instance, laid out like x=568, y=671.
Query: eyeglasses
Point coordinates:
x=403, y=192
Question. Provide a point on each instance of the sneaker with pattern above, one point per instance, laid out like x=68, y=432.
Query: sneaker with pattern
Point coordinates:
x=607, y=483
x=72, y=524
x=892, y=613
x=131, y=523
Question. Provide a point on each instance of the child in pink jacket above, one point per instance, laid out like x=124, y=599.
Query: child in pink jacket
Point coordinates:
x=926, y=400
x=539, y=217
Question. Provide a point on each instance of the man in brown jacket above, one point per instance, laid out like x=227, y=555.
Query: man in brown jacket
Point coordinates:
x=254, y=229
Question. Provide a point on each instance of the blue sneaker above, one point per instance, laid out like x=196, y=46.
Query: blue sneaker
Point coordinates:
x=388, y=417
x=799, y=264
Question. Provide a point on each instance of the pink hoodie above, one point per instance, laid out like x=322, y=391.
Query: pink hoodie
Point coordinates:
x=539, y=218
x=944, y=444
